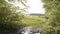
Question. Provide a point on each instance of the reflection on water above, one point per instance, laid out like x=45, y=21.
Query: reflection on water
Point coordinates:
x=28, y=30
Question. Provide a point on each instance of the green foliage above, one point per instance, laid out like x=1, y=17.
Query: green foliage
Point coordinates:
x=10, y=21
x=53, y=13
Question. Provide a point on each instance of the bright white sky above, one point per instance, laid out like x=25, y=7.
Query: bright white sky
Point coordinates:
x=36, y=6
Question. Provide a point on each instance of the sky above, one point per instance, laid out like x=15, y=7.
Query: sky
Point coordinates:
x=36, y=6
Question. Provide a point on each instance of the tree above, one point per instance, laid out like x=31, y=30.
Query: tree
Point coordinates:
x=10, y=21
x=52, y=8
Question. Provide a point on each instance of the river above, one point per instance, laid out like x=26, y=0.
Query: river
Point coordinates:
x=28, y=30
